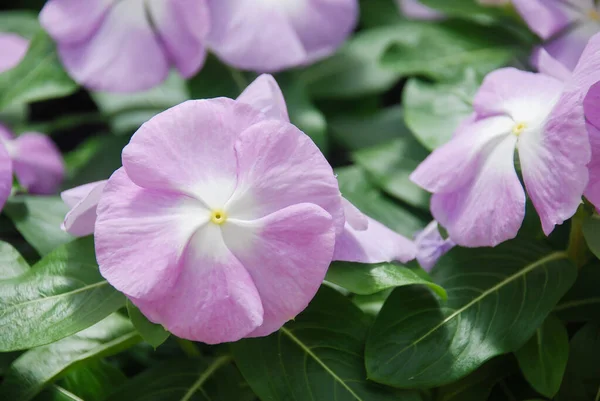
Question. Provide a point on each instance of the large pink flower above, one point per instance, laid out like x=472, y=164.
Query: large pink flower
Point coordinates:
x=477, y=193
x=127, y=45
x=272, y=35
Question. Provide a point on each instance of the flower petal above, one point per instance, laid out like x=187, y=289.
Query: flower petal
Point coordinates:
x=265, y=95
x=37, y=162
x=12, y=50
x=197, y=157
x=214, y=299
x=140, y=235
x=431, y=246
x=73, y=21
x=545, y=18
x=240, y=36
x=280, y=166
x=6, y=176
x=567, y=48
x=287, y=253
x=489, y=209
x=548, y=65
x=376, y=244
x=591, y=105
x=182, y=26
x=455, y=163
x=592, y=191
x=354, y=217
x=124, y=54
x=83, y=200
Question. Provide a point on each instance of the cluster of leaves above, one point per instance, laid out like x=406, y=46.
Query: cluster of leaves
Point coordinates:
x=517, y=322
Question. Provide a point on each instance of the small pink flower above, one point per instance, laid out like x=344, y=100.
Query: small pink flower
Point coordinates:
x=12, y=50
x=431, y=246
x=128, y=45
x=224, y=218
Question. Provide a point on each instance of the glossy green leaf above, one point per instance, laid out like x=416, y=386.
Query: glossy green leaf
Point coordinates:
x=318, y=356
x=153, y=334
x=443, y=51
x=187, y=380
x=216, y=79
x=582, y=302
x=38, y=219
x=12, y=263
x=433, y=110
x=39, y=76
x=497, y=298
x=56, y=393
x=543, y=359
x=59, y=296
x=367, y=279
x=582, y=378
x=371, y=304
x=93, y=381
x=391, y=164
x=39, y=367
x=356, y=187
x=356, y=132
x=591, y=233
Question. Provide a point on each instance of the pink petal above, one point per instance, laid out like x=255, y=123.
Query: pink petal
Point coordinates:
x=548, y=65
x=280, y=166
x=431, y=246
x=83, y=201
x=265, y=95
x=12, y=50
x=592, y=115
x=376, y=244
x=190, y=149
x=140, y=235
x=567, y=48
x=6, y=176
x=545, y=18
x=73, y=21
x=5, y=134
x=414, y=10
x=182, y=26
x=287, y=253
x=591, y=105
x=124, y=54
x=454, y=164
x=214, y=299
x=37, y=162
x=354, y=217
x=489, y=209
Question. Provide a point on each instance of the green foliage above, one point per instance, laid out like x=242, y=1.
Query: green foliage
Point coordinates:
x=153, y=334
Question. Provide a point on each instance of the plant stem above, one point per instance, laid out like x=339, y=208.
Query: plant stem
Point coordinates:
x=219, y=362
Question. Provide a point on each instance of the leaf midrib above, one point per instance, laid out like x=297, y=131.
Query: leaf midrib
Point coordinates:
x=212, y=368
x=320, y=362
x=491, y=290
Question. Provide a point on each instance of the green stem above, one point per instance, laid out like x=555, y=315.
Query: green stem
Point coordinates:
x=578, y=251
x=189, y=348
x=219, y=362
x=507, y=391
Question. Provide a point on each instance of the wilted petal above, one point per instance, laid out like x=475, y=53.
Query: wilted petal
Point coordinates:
x=265, y=95
x=287, y=253
x=83, y=201
x=12, y=50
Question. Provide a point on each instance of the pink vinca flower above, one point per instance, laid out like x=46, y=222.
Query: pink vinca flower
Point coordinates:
x=431, y=246
x=12, y=50
x=33, y=158
x=567, y=25
x=477, y=193
x=224, y=218
x=269, y=36
x=127, y=45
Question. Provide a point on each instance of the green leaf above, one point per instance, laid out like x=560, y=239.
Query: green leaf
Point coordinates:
x=23, y=23
x=128, y=111
x=357, y=188
x=591, y=233
x=582, y=302
x=391, y=164
x=355, y=70
x=443, y=51
x=317, y=356
x=478, y=385
x=39, y=76
x=467, y=9
x=356, y=132
x=184, y=380
x=367, y=279
x=59, y=296
x=433, y=111
x=216, y=79
x=38, y=367
x=93, y=381
x=12, y=264
x=38, y=219
x=543, y=359
x=374, y=13
x=56, y=393
x=371, y=304
x=497, y=298
x=582, y=378
x=154, y=334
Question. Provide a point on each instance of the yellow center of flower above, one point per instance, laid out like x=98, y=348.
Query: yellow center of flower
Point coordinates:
x=218, y=216
x=519, y=128
x=594, y=15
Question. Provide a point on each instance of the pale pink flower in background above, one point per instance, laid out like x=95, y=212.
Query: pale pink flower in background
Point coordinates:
x=12, y=50
x=431, y=246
